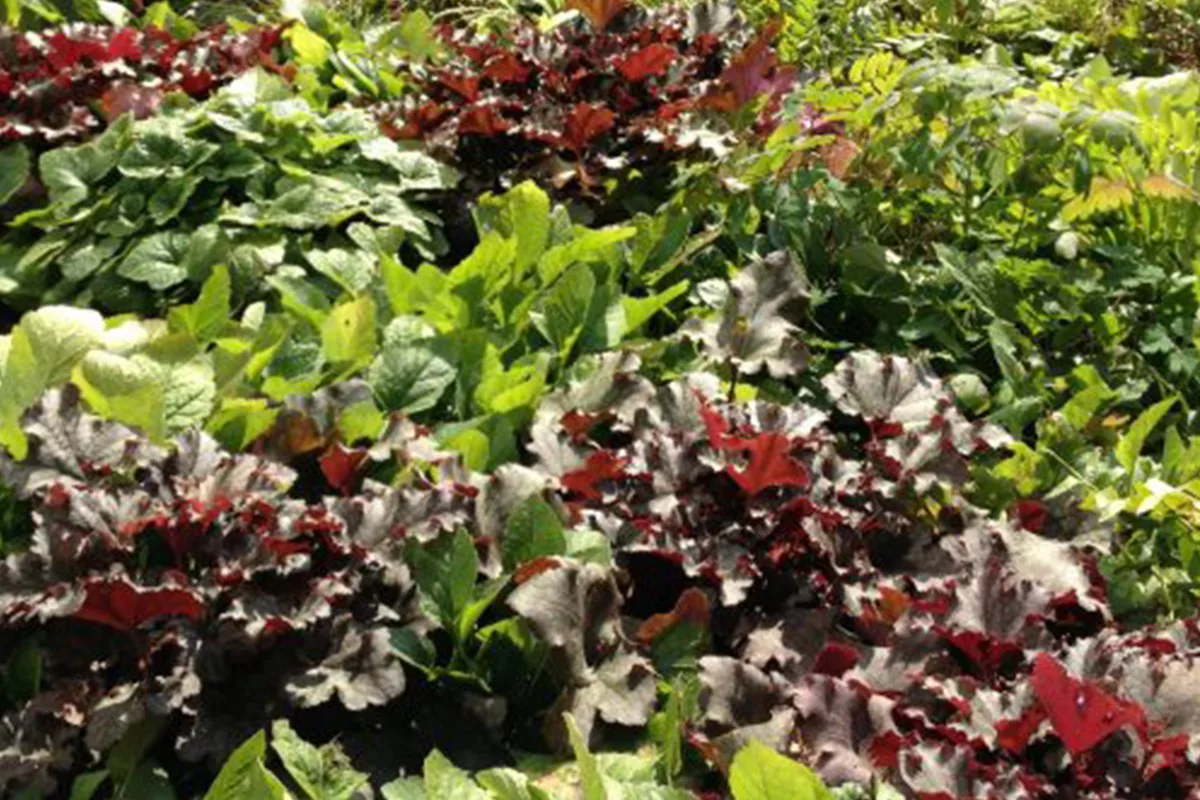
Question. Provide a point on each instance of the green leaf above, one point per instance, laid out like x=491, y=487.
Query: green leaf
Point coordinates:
x=310, y=48
x=534, y=530
x=245, y=777
x=210, y=314
x=353, y=270
x=70, y=172
x=590, y=778
x=404, y=789
x=410, y=377
x=473, y=446
x=15, y=164
x=348, y=333
x=128, y=754
x=522, y=213
x=444, y=781
x=445, y=570
x=150, y=782
x=639, y=310
x=23, y=672
x=158, y=260
x=759, y=773
x=42, y=352
x=86, y=785
x=562, y=311
x=323, y=773
x=1130, y=445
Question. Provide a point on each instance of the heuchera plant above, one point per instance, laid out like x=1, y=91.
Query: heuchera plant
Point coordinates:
x=869, y=610
x=64, y=83
x=624, y=92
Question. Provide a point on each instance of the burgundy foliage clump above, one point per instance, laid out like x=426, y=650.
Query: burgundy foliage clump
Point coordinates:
x=62, y=84
x=585, y=103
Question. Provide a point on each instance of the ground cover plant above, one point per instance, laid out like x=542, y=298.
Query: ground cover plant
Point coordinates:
x=598, y=399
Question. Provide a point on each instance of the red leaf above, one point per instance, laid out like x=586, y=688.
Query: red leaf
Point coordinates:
x=600, y=467
x=652, y=60
x=507, y=68
x=482, y=120
x=691, y=608
x=125, y=45
x=1083, y=715
x=598, y=12
x=1030, y=514
x=771, y=464
x=340, y=466
x=770, y=461
x=750, y=74
x=1014, y=734
x=123, y=606
x=835, y=659
x=585, y=123
x=127, y=97
x=468, y=88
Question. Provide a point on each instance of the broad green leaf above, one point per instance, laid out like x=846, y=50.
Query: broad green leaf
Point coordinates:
x=353, y=270
x=15, y=164
x=522, y=213
x=473, y=446
x=69, y=173
x=404, y=789
x=759, y=773
x=42, y=352
x=310, y=48
x=210, y=314
x=86, y=785
x=444, y=781
x=410, y=377
x=348, y=333
x=323, y=773
x=1130, y=445
x=245, y=776
x=534, y=530
x=509, y=784
x=158, y=260
x=588, y=246
x=562, y=311
x=445, y=570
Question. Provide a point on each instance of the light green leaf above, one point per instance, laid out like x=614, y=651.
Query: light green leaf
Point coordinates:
x=759, y=773
x=1129, y=447
x=473, y=446
x=210, y=314
x=404, y=789
x=444, y=781
x=590, y=778
x=245, y=777
x=348, y=333
x=310, y=48
x=323, y=773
